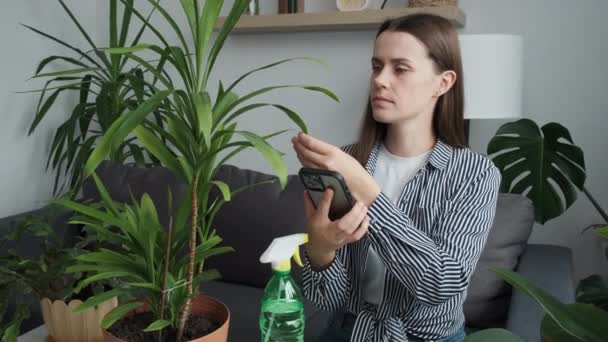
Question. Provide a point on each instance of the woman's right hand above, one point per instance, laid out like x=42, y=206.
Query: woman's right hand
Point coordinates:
x=326, y=236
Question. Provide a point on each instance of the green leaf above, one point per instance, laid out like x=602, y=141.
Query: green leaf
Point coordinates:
x=99, y=276
x=169, y=19
x=202, y=102
x=148, y=286
x=121, y=128
x=203, y=255
x=272, y=156
x=125, y=50
x=190, y=9
x=603, y=231
x=89, y=211
x=290, y=113
x=65, y=72
x=157, y=325
x=126, y=22
x=50, y=59
x=268, y=66
x=84, y=33
x=233, y=17
x=153, y=145
x=593, y=290
x=105, y=196
x=519, y=149
x=59, y=41
x=98, y=299
x=551, y=331
x=570, y=320
x=44, y=109
x=268, y=89
x=493, y=335
x=224, y=102
x=118, y=313
x=206, y=23
x=224, y=188
x=206, y=276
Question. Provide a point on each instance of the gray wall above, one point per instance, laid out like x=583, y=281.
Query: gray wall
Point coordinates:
x=565, y=81
x=24, y=184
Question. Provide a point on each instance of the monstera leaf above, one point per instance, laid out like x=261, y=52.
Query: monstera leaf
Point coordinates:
x=544, y=164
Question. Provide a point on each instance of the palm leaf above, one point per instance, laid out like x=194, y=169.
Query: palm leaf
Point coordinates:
x=568, y=319
x=121, y=128
x=157, y=325
x=59, y=41
x=118, y=313
x=268, y=89
x=233, y=17
x=272, y=156
x=290, y=113
x=158, y=149
x=98, y=299
x=207, y=21
x=202, y=102
x=494, y=335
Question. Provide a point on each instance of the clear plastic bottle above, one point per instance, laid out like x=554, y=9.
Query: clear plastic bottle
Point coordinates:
x=282, y=316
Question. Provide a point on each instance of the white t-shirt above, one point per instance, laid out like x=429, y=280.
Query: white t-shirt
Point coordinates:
x=392, y=173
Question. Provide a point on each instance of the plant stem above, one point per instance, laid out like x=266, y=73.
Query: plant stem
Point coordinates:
x=596, y=205
x=193, y=231
x=163, y=297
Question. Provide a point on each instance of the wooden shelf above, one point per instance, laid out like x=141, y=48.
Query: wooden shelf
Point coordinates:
x=336, y=21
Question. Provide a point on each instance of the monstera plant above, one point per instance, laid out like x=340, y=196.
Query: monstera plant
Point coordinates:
x=201, y=134
x=107, y=88
x=532, y=160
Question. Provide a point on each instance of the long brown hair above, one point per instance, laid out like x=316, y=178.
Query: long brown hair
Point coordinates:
x=441, y=41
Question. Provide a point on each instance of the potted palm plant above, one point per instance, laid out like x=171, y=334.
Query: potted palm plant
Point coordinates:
x=147, y=266
x=107, y=87
x=199, y=130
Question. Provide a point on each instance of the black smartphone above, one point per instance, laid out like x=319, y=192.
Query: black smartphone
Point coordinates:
x=316, y=181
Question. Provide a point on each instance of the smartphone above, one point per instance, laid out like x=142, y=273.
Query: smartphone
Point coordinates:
x=316, y=181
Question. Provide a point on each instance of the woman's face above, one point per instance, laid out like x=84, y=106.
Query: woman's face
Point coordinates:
x=404, y=82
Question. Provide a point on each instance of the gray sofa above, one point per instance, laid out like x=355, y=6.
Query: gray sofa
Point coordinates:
x=254, y=217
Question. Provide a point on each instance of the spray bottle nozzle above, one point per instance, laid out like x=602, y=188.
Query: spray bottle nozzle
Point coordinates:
x=281, y=250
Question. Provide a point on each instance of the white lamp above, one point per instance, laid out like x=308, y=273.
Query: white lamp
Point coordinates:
x=493, y=75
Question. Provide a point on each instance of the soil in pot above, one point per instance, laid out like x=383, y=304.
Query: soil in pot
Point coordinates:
x=131, y=328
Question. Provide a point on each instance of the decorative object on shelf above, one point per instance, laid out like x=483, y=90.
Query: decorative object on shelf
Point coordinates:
x=352, y=5
x=253, y=8
x=432, y=3
x=291, y=6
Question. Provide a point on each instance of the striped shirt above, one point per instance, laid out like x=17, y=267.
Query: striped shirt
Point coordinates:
x=429, y=242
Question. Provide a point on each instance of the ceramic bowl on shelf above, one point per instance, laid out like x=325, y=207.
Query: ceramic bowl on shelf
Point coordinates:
x=351, y=5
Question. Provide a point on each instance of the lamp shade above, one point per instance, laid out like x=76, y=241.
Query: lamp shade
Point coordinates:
x=493, y=75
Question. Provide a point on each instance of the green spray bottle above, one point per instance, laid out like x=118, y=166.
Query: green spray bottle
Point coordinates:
x=282, y=314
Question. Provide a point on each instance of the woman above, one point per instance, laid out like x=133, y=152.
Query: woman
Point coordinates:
x=397, y=266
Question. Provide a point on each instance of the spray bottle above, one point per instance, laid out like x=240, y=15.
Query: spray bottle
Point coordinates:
x=282, y=314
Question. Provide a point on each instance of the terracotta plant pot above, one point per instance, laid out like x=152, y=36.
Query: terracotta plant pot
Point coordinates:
x=205, y=306
x=63, y=325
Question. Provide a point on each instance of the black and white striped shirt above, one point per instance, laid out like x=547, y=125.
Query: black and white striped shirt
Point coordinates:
x=429, y=243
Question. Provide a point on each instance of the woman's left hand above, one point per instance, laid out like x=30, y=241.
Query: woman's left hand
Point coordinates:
x=318, y=154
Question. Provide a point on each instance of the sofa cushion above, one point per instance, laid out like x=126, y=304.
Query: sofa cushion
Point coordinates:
x=125, y=182
x=245, y=302
x=264, y=212
x=252, y=219
x=488, y=296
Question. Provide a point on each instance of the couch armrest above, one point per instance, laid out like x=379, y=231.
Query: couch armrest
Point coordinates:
x=550, y=268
